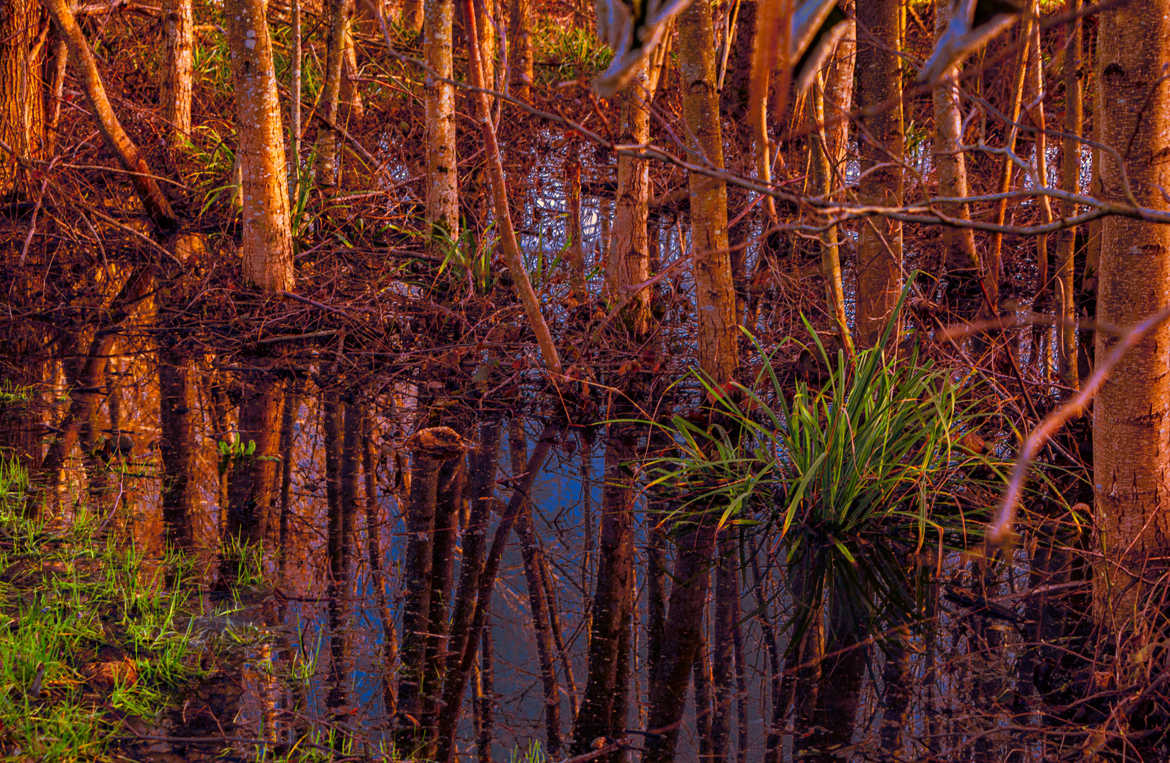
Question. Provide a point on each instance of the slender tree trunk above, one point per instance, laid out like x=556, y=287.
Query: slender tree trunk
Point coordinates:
x=456, y=680
x=452, y=478
x=377, y=568
x=294, y=105
x=481, y=479
x=822, y=179
x=1130, y=449
x=485, y=25
x=723, y=646
x=22, y=111
x=684, y=616
x=880, y=134
x=412, y=16
x=351, y=94
x=288, y=442
x=718, y=358
x=1070, y=171
x=576, y=254
x=157, y=207
x=508, y=241
x=521, y=57
x=85, y=398
x=485, y=700
x=253, y=481
x=328, y=159
x=704, y=699
x=711, y=261
x=993, y=268
x=628, y=263
x=267, y=235
x=958, y=243
x=839, y=77
x=60, y=66
x=442, y=211
x=175, y=88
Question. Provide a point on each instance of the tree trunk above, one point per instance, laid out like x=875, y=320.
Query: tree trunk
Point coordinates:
x=267, y=235
x=413, y=15
x=628, y=261
x=718, y=359
x=175, y=88
x=578, y=287
x=328, y=161
x=711, y=260
x=880, y=134
x=958, y=243
x=1132, y=413
x=1070, y=173
x=22, y=103
x=822, y=186
x=463, y=659
x=521, y=56
x=723, y=646
x=157, y=207
x=684, y=618
x=442, y=212
x=85, y=398
x=508, y=242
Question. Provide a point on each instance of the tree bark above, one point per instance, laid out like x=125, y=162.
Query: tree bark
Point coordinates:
x=628, y=261
x=881, y=139
x=267, y=235
x=603, y=707
x=328, y=161
x=538, y=601
x=1070, y=172
x=22, y=103
x=175, y=88
x=442, y=211
x=711, y=258
x=253, y=481
x=958, y=243
x=1131, y=416
x=521, y=57
x=431, y=449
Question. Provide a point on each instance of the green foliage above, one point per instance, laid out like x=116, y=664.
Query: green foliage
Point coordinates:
x=233, y=451
x=464, y=261
x=210, y=60
x=89, y=634
x=574, y=51
x=858, y=479
x=13, y=394
x=534, y=753
x=214, y=159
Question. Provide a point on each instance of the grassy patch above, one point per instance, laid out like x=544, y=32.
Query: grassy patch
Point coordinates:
x=91, y=634
x=569, y=51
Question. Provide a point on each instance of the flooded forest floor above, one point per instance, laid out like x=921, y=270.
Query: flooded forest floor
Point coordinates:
x=360, y=520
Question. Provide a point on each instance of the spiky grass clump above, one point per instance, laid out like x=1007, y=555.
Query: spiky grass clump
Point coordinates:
x=857, y=481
